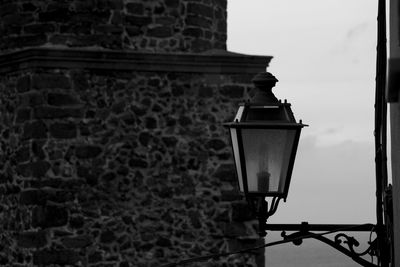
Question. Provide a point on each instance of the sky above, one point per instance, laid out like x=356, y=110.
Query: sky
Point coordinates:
x=324, y=55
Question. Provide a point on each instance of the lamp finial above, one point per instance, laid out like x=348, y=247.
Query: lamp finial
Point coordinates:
x=264, y=82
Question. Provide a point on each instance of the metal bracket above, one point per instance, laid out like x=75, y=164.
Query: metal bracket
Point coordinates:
x=342, y=242
x=263, y=212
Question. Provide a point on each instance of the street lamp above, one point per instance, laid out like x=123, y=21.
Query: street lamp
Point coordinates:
x=264, y=135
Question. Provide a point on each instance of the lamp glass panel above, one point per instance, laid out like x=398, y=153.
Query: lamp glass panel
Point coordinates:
x=267, y=155
x=236, y=155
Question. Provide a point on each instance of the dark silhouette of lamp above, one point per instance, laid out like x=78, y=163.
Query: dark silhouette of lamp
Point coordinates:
x=264, y=135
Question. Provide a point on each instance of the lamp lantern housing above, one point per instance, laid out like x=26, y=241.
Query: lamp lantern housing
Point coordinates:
x=264, y=136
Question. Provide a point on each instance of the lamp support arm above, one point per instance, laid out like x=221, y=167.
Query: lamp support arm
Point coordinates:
x=263, y=211
x=341, y=242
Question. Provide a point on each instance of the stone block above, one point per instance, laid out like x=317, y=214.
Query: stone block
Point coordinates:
x=160, y=32
x=177, y=90
x=135, y=8
x=118, y=107
x=230, y=195
x=24, y=84
x=52, y=256
x=166, y=21
x=133, y=30
x=84, y=6
x=172, y=3
x=222, y=215
x=63, y=130
x=222, y=26
x=216, y=144
x=220, y=37
x=208, y=35
x=17, y=19
x=163, y=242
x=22, y=154
x=95, y=16
x=200, y=45
x=36, y=169
x=50, y=81
x=23, y=115
x=79, y=81
x=29, y=7
x=76, y=221
x=200, y=9
x=193, y=32
x=58, y=39
x=34, y=130
x=109, y=176
x=232, y=91
x=5, y=31
x=107, y=236
x=234, y=229
x=24, y=40
x=137, y=163
x=169, y=141
x=61, y=14
x=95, y=256
x=138, y=20
x=90, y=174
x=110, y=4
x=103, y=40
x=185, y=120
x=31, y=99
x=81, y=27
x=9, y=189
x=9, y=8
x=150, y=123
x=193, y=20
x=195, y=220
x=32, y=197
x=37, y=149
x=87, y=151
x=77, y=241
x=206, y=92
x=108, y=29
x=118, y=18
x=242, y=78
x=222, y=3
x=225, y=172
x=61, y=99
x=241, y=212
x=51, y=112
x=220, y=45
x=159, y=9
x=32, y=239
x=49, y=216
x=39, y=28
x=41, y=196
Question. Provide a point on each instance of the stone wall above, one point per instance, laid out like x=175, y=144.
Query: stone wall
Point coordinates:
x=156, y=25
x=120, y=168
x=112, y=149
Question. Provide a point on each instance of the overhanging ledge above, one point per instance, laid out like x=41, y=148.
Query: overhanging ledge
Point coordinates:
x=211, y=62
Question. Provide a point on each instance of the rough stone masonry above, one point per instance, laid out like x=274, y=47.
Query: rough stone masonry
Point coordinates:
x=112, y=150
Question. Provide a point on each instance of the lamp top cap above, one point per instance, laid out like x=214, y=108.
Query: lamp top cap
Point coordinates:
x=264, y=82
x=264, y=78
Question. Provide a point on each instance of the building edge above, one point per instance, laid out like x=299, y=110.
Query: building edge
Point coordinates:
x=215, y=61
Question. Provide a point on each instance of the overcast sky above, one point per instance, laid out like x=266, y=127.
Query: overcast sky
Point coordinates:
x=324, y=58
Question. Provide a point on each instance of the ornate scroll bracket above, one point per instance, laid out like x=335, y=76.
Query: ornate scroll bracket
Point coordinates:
x=341, y=242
